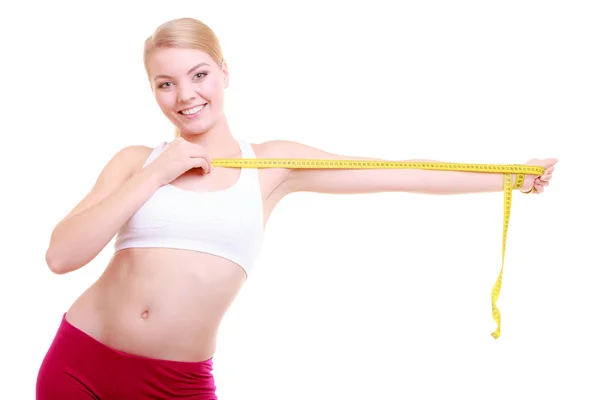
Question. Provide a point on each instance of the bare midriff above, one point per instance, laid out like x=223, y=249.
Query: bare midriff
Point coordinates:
x=159, y=303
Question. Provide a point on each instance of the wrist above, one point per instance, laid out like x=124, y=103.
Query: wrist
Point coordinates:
x=527, y=184
x=150, y=177
x=518, y=181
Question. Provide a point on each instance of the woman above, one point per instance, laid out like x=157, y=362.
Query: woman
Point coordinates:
x=187, y=233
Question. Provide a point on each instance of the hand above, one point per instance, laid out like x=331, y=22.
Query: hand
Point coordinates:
x=537, y=184
x=179, y=157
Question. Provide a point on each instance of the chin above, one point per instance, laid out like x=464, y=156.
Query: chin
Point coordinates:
x=190, y=127
x=195, y=129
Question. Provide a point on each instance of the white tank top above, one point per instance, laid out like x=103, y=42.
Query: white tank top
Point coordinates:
x=226, y=223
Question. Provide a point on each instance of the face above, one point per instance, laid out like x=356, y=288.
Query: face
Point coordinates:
x=189, y=88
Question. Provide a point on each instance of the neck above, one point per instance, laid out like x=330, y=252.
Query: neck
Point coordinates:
x=218, y=140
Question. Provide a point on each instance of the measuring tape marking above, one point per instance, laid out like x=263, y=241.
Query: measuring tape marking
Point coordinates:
x=520, y=170
x=368, y=164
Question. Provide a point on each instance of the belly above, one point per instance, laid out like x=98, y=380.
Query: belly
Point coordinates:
x=159, y=303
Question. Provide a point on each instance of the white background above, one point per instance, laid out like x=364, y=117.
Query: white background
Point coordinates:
x=382, y=296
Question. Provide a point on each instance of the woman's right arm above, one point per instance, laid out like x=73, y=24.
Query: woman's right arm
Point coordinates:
x=120, y=190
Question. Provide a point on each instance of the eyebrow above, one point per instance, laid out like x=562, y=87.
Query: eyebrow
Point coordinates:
x=202, y=64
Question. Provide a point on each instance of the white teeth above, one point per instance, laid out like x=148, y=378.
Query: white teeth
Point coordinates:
x=192, y=110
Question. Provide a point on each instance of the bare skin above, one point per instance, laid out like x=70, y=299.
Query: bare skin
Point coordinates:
x=168, y=303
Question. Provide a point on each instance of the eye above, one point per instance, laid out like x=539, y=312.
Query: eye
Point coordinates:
x=164, y=85
x=200, y=75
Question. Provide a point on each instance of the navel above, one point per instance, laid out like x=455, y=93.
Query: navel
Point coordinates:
x=145, y=314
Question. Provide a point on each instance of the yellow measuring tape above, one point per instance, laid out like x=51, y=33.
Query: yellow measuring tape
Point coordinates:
x=520, y=170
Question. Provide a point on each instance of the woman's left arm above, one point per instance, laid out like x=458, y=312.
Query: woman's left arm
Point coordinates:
x=349, y=181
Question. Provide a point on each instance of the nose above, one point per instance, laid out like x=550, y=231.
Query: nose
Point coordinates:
x=185, y=93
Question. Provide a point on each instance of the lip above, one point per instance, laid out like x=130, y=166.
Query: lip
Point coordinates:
x=180, y=112
x=189, y=108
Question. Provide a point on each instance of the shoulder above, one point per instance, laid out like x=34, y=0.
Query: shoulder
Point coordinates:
x=277, y=149
x=284, y=180
x=273, y=179
x=130, y=158
x=291, y=149
x=133, y=153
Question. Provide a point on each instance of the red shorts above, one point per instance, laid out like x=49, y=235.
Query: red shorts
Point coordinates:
x=78, y=366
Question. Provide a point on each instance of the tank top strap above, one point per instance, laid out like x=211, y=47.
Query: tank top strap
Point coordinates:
x=249, y=176
x=246, y=148
x=155, y=153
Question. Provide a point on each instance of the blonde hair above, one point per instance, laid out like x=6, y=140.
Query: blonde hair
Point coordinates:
x=186, y=33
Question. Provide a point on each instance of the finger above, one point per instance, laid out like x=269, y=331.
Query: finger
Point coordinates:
x=540, y=186
x=546, y=177
x=198, y=152
x=201, y=163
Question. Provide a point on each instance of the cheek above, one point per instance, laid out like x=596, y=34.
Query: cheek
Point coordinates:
x=213, y=90
x=164, y=100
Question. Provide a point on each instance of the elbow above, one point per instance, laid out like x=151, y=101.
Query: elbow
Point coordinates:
x=56, y=263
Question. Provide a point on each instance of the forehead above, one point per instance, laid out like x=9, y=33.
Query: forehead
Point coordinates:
x=176, y=61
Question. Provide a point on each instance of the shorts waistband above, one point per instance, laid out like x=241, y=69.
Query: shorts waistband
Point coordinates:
x=66, y=329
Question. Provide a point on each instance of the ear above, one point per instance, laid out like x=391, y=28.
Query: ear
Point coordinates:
x=225, y=70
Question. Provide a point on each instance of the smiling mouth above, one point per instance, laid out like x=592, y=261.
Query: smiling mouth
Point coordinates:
x=190, y=112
